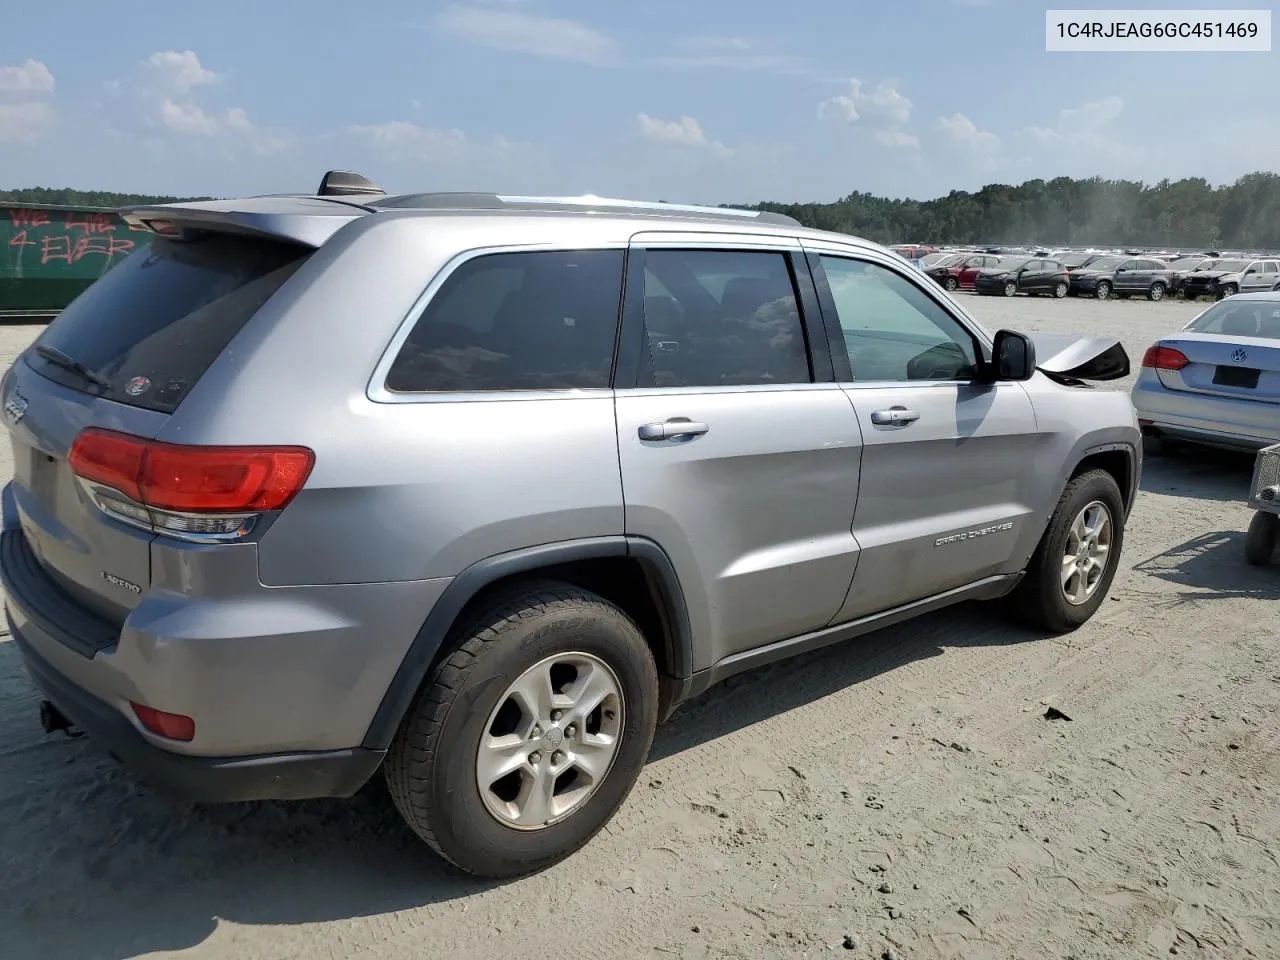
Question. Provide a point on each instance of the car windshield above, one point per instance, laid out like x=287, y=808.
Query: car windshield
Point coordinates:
x=1240, y=318
x=943, y=261
x=1231, y=266
x=1070, y=260
x=1183, y=263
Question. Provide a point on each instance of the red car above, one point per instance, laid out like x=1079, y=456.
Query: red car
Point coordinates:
x=959, y=272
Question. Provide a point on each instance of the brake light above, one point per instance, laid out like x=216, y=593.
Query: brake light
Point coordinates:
x=191, y=479
x=175, y=726
x=1164, y=358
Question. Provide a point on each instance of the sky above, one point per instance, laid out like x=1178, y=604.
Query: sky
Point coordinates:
x=713, y=101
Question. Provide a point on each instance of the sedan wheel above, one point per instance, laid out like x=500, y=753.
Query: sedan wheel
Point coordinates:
x=1060, y=290
x=1010, y=289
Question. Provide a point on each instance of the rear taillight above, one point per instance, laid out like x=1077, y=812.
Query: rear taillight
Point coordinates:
x=174, y=726
x=187, y=491
x=1164, y=358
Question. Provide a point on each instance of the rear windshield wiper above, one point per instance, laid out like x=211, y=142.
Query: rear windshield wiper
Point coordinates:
x=67, y=362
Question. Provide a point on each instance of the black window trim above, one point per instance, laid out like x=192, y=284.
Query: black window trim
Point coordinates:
x=632, y=336
x=835, y=334
x=376, y=389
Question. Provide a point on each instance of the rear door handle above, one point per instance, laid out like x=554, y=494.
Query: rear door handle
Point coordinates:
x=894, y=417
x=675, y=427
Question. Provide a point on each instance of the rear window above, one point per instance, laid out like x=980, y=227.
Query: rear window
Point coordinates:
x=538, y=320
x=152, y=325
x=1240, y=318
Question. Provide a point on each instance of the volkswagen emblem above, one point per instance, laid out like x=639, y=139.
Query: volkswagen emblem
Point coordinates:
x=1239, y=354
x=15, y=408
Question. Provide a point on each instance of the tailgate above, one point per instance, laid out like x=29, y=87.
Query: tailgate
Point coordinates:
x=1237, y=367
x=102, y=564
x=123, y=356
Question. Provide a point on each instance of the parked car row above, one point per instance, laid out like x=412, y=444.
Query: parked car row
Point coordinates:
x=1100, y=275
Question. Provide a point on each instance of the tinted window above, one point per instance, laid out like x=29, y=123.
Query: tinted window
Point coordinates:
x=1270, y=267
x=542, y=320
x=1053, y=265
x=153, y=324
x=1033, y=266
x=893, y=329
x=719, y=318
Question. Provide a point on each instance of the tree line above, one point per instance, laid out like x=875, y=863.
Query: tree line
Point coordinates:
x=1059, y=212
x=1066, y=212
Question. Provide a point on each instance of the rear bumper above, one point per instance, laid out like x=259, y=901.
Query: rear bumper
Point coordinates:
x=1198, y=418
x=296, y=776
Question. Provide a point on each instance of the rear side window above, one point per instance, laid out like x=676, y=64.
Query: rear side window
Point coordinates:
x=153, y=324
x=722, y=318
x=541, y=320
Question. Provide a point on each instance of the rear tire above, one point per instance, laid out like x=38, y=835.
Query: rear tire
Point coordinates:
x=1156, y=292
x=433, y=768
x=1060, y=291
x=1041, y=599
x=1260, y=542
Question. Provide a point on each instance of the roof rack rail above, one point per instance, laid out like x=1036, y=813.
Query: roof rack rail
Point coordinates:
x=494, y=201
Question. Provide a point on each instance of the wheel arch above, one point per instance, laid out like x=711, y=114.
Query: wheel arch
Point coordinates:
x=1120, y=460
x=632, y=572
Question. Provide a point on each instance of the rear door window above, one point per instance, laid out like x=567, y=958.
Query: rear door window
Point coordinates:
x=541, y=320
x=153, y=324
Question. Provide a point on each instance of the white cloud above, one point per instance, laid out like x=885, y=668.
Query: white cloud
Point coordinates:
x=1083, y=123
x=897, y=138
x=884, y=99
x=963, y=130
x=32, y=77
x=402, y=140
x=549, y=37
x=178, y=71
x=686, y=132
x=24, y=122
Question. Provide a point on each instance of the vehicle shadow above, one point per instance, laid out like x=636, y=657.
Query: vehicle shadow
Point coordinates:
x=1199, y=474
x=759, y=694
x=1213, y=562
x=96, y=867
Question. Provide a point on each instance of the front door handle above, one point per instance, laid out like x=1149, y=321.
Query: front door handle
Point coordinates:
x=675, y=427
x=894, y=417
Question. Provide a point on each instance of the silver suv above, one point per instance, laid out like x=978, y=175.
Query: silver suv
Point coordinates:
x=478, y=489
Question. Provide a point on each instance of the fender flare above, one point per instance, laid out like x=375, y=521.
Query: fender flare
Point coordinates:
x=659, y=572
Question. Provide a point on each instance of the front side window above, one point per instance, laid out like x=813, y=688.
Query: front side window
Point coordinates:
x=538, y=320
x=893, y=330
x=721, y=318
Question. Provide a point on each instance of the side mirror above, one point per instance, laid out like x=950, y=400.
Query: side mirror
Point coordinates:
x=1013, y=357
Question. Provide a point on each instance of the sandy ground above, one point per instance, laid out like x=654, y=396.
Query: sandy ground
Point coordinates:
x=899, y=795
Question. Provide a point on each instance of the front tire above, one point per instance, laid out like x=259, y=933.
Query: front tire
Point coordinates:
x=1230, y=290
x=1073, y=566
x=1103, y=290
x=952, y=284
x=1260, y=542
x=528, y=737
x=1156, y=292
x=1010, y=289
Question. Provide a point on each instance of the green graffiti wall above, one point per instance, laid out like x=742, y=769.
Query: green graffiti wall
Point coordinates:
x=49, y=255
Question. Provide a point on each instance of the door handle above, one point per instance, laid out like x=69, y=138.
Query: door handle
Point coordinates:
x=675, y=427
x=894, y=417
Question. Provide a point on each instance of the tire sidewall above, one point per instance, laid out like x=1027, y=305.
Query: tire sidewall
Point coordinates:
x=1157, y=291
x=1060, y=290
x=466, y=832
x=1098, y=487
x=1103, y=290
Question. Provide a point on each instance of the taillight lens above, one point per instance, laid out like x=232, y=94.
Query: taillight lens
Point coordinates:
x=192, y=479
x=1164, y=358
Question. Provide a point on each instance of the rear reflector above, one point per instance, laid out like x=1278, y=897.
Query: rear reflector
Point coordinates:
x=1164, y=358
x=192, y=479
x=172, y=725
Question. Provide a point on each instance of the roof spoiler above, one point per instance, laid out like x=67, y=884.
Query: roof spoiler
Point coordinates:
x=344, y=183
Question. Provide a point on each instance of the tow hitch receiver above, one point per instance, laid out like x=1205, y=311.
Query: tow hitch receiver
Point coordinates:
x=52, y=720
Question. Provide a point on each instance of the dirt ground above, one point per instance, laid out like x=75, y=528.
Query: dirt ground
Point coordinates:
x=900, y=795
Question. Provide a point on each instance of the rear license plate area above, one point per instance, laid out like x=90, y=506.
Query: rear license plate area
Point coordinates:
x=1246, y=377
